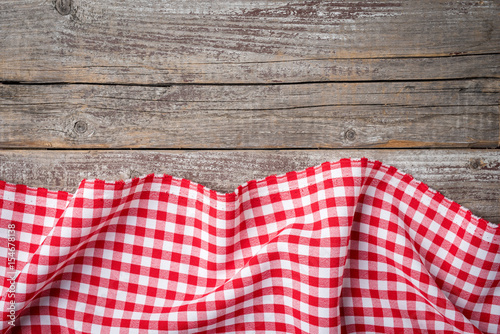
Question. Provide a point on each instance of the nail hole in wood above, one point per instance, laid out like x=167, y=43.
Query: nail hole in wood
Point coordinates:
x=63, y=7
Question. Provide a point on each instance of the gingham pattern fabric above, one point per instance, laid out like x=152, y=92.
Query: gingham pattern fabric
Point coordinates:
x=351, y=246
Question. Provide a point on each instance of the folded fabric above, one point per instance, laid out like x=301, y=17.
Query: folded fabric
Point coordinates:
x=351, y=246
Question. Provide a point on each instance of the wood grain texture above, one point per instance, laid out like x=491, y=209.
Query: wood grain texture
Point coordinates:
x=469, y=177
x=462, y=113
x=215, y=41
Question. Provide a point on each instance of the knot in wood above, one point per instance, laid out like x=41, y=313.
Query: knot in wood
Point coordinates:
x=63, y=7
x=350, y=135
x=475, y=164
x=80, y=127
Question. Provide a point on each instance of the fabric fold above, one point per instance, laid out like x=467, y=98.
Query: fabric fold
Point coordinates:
x=351, y=246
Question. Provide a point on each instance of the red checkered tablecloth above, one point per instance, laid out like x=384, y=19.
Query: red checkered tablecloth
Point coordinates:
x=351, y=246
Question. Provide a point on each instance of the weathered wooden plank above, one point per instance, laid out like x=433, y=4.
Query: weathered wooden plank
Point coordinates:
x=469, y=177
x=327, y=115
x=276, y=71
x=215, y=41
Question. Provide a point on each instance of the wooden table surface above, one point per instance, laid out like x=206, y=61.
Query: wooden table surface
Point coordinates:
x=222, y=92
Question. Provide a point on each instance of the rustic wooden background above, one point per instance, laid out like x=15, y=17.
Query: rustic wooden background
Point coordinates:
x=222, y=92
